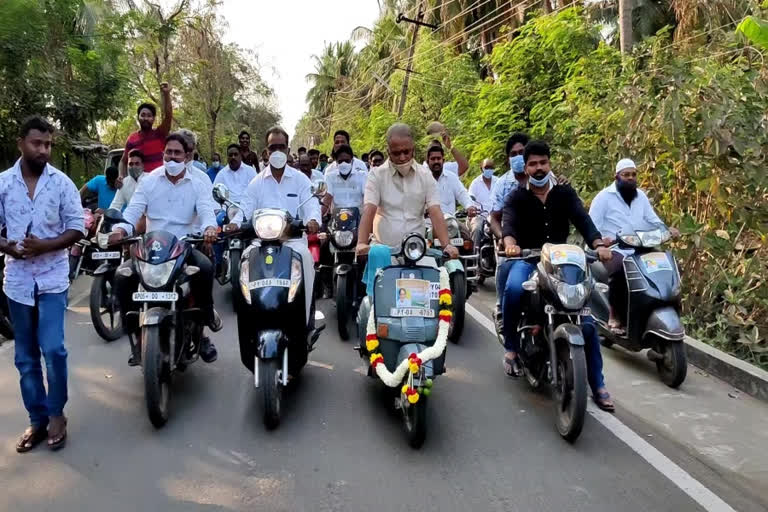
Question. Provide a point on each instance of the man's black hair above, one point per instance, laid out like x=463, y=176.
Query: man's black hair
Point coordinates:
x=276, y=130
x=364, y=157
x=196, y=156
x=216, y=155
x=342, y=132
x=435, y=148
x=374, y=153
x=244, y=133
x=111, y=173
x=323, y=155
x=135, y=153
x=537, y=148
x=313, y=151
x=344, y=148
x=178, y=138
x=515, y=138
x=35, y=123
x=302, y=149
x=233, y=145
x=149, y=106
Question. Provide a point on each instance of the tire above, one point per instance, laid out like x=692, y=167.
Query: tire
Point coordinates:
x=674, y=367
x=6, y=327
x=73, y=261
x=343, y=309
x=415, y=422
x=269, y=372
x=459, y=293
x=157, y=377
x=234, y=276
x=102, y=290
x=571, y=396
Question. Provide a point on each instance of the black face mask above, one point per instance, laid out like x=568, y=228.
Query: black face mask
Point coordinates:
x=627, y=189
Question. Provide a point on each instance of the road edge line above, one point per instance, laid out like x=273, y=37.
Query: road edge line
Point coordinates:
x=697, y=491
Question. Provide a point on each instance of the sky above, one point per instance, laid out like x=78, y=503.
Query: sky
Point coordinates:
x=286, y=33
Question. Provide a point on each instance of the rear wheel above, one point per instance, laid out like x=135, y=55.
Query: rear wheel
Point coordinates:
x=272, y=389
x=571, y=391
x=415, y=421
x=459, y=296
x=157, y=376
x=673, y=366
x=105, y=310
x=343, y=302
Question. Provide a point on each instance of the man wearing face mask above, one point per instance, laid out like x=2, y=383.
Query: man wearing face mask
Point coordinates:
x=396, y=195
x=215, y=167
x=135, y=172
x=346, y=187
x=341, y=137
x=280, y=186
x=172, y=200
x=622, y=208
x=480, y=189
x=539, y=213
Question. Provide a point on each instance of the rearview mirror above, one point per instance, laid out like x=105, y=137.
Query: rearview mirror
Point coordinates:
x=319, y=188
x=220, y=193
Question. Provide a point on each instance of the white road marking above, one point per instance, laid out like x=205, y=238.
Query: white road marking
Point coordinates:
x=318, y=364
x=708, y=500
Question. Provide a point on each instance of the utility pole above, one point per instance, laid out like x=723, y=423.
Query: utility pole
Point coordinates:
x=625, y=25
x=418, y=22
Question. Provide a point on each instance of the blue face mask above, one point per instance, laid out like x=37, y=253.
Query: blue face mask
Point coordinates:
x=517, y=164
x=488, y=173
x=541, y=182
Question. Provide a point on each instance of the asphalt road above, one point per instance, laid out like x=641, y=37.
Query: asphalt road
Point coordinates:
x=491, y=446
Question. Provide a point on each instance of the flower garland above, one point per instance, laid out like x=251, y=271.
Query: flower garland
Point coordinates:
x=413, y=364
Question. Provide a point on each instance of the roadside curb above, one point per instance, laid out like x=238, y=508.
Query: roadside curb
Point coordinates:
x=739, y=374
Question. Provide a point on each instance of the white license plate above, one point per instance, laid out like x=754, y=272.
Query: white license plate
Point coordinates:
x=264, y=283
x=457, y=242
x=113, y=255
x=548, y=309
x=155, y=296
x=421, y=312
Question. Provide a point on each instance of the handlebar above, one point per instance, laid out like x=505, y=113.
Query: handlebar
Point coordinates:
x=526, y=254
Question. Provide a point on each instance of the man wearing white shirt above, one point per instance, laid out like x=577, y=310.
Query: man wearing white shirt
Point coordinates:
x=622, y=208
x=305, y=166
x=346, y=187
x=460, y=165
x=131, y=181
x=282, y=187
x=341, y=137
x=172, y=199
x=236, y=175
x=480, y=189
x=449, y=187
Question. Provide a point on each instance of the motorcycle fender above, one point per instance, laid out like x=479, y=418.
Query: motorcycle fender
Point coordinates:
x=570, y=333
x=156, y=316
x=453, y=266
x=103, y=269
x=235, y=243
x=665, y=323
x=415, y=348
x=270, y=344
x=343, y=269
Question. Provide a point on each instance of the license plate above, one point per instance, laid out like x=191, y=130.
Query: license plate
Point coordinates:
x=457, y=242
x=421, y=312
x=113, y=255
x=264, y=283
x=155, y=296
x=550, y=310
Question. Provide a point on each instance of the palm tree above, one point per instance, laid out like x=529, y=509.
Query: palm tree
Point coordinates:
x=333, y=71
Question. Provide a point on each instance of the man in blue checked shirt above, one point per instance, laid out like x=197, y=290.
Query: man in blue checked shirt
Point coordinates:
x=40, y=208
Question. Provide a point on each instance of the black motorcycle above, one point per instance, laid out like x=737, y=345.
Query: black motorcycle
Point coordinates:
x=104, y=304
x=276, y=332
x=486, y=250
x=343, y=234
x=171, y=324
x=229, y=267
x=652, y=318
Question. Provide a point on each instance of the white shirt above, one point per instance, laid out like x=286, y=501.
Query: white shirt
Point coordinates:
x=124, y=193
x=357, y=165
x=451, y=190
x=317, y=176
x=347, y=193
x=172, y=207
x=54, y=209
x=482, y=193
x=293, y=189
x=612, y=215
x=236, y=181
x=452, y=167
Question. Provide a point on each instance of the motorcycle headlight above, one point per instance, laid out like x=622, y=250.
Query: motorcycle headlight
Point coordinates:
x=245, y=278
x=453, y=227
x=156, y=276
x=102, y=239
x=414, y=247
x=572, y=296
x=268, y=226
x=343, y=238
x=295, y=278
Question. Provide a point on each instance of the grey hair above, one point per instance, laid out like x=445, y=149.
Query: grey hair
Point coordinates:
x=189, y=136
x=399, y=130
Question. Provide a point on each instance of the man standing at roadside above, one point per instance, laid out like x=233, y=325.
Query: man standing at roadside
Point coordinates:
x=248, y=156
x=40, y=208
x=150, y=141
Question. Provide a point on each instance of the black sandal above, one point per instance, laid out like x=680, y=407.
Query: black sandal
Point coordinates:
x=31, y=437
x=58, y=442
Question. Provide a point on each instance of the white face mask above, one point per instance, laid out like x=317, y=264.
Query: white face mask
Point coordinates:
x=278, y=159
x=174, y=168
x=403, y=168
x=345, y=168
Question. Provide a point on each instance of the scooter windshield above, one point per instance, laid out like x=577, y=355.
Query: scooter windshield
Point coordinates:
x=158, y=247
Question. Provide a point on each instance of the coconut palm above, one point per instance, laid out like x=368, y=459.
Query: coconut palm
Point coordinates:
x=333, y=71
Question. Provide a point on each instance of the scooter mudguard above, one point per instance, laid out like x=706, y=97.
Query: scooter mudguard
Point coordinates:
x=270, y=344
x=666, y=324
x=156, y=316
x=453, y=266
x=103, y=269
x=570, y=333
x=343, y=269
x=313, y=242
x=415, y=348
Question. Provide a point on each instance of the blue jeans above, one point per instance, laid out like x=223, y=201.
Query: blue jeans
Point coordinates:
x=40, y=329
x=502, y=272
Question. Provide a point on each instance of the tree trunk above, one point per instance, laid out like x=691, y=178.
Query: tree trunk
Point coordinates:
x=625, y=25
x=212, y=136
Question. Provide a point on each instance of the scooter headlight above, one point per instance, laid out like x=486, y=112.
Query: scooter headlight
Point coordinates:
x=414, y=247
x=156, y=276
x=343, y=239
x=268, y=226
x=245, y=278
x=572, y=296
x=295, y=278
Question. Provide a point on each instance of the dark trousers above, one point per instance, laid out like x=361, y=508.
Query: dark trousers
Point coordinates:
x=201, y=284
x=618, y=293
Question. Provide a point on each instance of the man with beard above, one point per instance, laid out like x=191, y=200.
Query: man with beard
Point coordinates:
x=150, y=141
x=248, y=156
x=40, y=209
x=542, y=213
x=622, y=208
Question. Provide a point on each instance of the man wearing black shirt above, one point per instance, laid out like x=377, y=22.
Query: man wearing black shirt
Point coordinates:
x=539, y=213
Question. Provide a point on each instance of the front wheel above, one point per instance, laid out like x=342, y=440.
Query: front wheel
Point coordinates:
x=105, y=310
x=415, y=422
x=272, y=389
x=673, y=365
x=459, y=295
x=570, y=391
x=343, y=300
x=157, y=376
